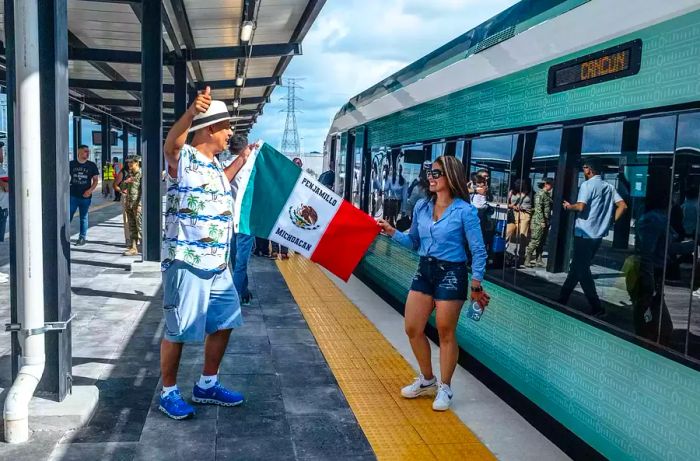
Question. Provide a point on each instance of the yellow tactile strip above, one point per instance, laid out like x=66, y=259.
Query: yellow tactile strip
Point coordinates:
x=370, y=373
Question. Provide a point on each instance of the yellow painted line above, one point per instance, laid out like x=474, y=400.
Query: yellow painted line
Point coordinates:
x=371, y=372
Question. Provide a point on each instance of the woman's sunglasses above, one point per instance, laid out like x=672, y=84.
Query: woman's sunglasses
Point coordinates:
x=436, y=174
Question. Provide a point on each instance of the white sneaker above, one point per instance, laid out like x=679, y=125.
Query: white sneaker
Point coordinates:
x=443, y=398
x=420, y=386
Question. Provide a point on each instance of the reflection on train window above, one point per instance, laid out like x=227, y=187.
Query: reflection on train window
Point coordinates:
x=437, y=150
x=490, y=171
x=341, y=156
x=378, y=173
x=682, y=281
x=459, y=151
x=540, y=177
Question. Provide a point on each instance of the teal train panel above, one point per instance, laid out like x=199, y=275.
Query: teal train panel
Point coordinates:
x=668, y=75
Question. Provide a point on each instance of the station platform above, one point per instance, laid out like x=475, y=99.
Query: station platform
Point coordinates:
x=320, y=363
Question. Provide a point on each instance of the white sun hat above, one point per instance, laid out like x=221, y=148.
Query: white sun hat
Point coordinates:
x=216, y=113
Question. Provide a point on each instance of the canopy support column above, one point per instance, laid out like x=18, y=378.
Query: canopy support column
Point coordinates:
x=77, y=129
x=180, y=87
x=53, y=71
x=152, y=130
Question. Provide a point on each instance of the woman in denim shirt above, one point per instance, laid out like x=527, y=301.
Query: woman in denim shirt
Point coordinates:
x=443, y=224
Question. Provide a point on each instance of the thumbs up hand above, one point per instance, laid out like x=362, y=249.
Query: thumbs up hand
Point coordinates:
x=201, y=102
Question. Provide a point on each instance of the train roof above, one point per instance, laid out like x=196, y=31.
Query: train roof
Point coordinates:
x=519, y=17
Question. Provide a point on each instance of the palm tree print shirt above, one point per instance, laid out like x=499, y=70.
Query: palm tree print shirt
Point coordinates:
x=198, y=214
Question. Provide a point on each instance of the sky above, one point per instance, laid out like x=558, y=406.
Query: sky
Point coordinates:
x=353, y=45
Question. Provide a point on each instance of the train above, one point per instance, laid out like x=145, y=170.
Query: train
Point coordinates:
x=533, y=93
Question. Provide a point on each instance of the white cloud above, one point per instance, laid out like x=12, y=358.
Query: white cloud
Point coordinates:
x=357, y=43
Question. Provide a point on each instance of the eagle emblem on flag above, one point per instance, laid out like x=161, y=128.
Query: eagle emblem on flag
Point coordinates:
x=304, y=217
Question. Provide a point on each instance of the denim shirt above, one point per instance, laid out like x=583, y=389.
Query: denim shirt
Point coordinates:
x=446, y=239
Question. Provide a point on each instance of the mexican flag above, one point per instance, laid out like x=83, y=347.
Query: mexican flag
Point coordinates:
x=278, y=201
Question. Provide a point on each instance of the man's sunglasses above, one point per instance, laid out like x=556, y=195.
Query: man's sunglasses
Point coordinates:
x=436, y=174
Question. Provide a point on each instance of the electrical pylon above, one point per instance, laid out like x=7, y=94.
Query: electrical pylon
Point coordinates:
x=290, y=139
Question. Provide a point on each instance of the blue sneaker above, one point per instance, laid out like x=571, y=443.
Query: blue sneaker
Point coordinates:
x=217, y=395
x=175, y=406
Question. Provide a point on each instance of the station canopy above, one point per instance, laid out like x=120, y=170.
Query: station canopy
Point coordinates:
x=104, y=39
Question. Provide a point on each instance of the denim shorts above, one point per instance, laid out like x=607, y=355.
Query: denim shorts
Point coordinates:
x=443, y=280
x=197, y=302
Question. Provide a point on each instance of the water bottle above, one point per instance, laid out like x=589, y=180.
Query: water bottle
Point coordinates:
x=475, y=310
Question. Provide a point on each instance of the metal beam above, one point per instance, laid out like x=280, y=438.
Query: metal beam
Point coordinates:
x=195, y=54
x=75, y=43
x=183, y=24
x=77, y=129
x=152, y=140
x=249, y=83
x=125, y=143
x=138, y=11
x=240, y=52
x=313, y=9
x=180, y=87
x=169, y=88
x=165, y=104
x=104, y=55
x=123, y=102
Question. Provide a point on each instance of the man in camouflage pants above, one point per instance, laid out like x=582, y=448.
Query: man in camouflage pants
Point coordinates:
x=131, y=188
x=539, y=225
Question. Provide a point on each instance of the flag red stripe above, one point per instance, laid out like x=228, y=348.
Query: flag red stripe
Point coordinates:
x=345, y=241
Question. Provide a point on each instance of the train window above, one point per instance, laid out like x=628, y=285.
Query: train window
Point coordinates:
x=491, y=160
x=437, y=150
x=379, y=162
x=539, y=170
x=682, y=281
x=459, y=151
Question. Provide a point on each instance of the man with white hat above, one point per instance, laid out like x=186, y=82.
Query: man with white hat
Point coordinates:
x=200, y=301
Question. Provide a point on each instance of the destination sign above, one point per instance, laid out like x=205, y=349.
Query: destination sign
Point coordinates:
x=612, y=63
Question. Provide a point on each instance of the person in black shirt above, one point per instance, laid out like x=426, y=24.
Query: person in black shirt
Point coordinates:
x=84, y=176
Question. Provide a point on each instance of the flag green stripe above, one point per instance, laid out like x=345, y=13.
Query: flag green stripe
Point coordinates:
x=272, y=171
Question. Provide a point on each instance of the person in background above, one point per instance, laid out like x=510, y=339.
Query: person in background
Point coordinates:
x=117, y=171
x=598, y=203
x=519, y=213
x=119, y=182
x=84, y=176
x=108, y=175
x=644, y=271
x=279, y=251
x=327, y=178
x=131, y=188
x=690, y=211
x=262, y=247
x=443, y=226
x=539, y=224
x=241, y=244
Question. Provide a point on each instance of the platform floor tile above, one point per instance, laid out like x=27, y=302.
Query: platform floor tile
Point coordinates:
x=370, y=373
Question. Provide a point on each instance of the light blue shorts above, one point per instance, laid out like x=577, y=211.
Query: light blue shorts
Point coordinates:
x=197, y=302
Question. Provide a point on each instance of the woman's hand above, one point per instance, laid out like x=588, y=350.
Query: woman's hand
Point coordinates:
x=478, y=294
x=386, y=227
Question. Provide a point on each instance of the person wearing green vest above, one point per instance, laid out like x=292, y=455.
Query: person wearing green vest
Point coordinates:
x=131, y=189
x=108, y=174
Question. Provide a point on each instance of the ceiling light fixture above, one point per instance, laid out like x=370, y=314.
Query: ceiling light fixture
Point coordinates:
x=235, y=103
x=239, y=81
x=247, y=30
